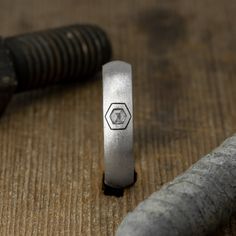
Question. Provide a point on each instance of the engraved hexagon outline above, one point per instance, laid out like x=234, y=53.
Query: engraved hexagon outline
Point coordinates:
x=111, y=108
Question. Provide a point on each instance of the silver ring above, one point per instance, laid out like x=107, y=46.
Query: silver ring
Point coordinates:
x=118, y=125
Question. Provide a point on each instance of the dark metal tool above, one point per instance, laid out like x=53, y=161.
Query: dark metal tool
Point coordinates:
x=39, y=59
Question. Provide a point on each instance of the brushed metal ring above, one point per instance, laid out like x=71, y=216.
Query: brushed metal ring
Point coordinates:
x=118, y=125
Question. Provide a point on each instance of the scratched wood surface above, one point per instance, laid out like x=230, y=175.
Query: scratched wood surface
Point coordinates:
x=183, y=54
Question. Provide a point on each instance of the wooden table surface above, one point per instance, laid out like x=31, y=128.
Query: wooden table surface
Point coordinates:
x=183, y=54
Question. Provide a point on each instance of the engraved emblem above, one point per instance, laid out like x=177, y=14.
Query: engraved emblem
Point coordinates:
x=118, y=116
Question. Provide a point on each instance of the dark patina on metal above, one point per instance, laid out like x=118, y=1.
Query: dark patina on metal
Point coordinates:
x=60, y=55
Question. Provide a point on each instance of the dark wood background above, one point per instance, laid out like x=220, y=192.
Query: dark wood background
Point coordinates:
x=183, y=54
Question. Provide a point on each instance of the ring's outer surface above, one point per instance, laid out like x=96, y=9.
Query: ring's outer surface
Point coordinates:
x=118, y=124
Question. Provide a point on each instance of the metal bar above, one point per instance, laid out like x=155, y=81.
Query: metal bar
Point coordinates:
x=118, y=124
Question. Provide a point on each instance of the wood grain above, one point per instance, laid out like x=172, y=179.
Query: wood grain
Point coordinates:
x=183, y=54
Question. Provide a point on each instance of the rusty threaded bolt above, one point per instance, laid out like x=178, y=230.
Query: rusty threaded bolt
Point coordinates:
x=39, y=59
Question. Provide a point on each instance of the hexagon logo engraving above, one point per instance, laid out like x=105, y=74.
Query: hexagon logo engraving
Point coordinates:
x=118, y=116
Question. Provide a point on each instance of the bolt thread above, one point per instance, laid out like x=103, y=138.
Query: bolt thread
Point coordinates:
x=59, y=55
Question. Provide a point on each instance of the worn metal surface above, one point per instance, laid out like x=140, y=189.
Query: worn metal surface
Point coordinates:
x=118, y=124
x=196, y=203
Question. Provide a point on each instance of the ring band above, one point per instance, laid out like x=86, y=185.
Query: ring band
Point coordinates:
x=118, y=125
